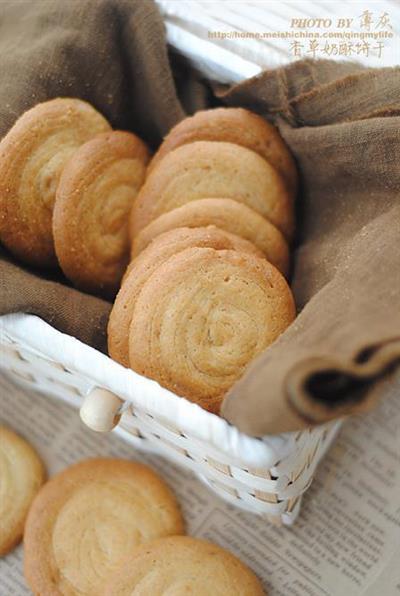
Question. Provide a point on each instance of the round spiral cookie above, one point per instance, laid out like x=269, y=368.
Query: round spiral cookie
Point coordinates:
x=201, y=318
x=207, y=169
x=238, y=126
x=181, y=565
x=85, y=521
x=94, y=198
x=228, y=215
x=141, y=268
x=32, y=157
x=21, y=475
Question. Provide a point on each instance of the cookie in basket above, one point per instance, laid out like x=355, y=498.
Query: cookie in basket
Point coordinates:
x=32, y=157
x=141, y=268
x=183, y=565
x=21, y=475
x=207, y=169
x=86, y=520
x=201, y=318
x=94, y=198
x=228, y=215
x=233, y=125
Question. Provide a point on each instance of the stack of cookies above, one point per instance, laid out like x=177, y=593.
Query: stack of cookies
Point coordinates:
x=205, y=292
x=226, y=167
x=67, y=185
x=205, y=232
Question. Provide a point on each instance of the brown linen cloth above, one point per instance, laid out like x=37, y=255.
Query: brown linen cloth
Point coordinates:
x=342, y=123
x=344, y=130
x=112, y=54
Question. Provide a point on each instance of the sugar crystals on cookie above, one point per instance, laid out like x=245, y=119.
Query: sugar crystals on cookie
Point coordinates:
x=33, y=155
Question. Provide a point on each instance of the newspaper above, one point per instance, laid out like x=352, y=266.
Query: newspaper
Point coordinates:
x=346, y=541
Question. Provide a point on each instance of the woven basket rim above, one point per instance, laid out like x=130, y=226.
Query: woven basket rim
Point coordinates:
x=191, y=420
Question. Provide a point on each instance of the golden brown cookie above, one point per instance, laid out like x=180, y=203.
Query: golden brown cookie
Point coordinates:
x=228, y=215
x=183, y=566
x=21, y=475
x=238, y=126
x=86, y=520
x=93, y=201
x=163, y=247
x=207, y=169
x=202, y=316
x=32, y=157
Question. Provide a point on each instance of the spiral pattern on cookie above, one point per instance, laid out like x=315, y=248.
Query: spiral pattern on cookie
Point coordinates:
x=32, y=157
x=201, y=318
x=94, y=199
x=182, y=565
x=87, y=519
x=207, y=169
x=21, y=475
x=238, y=126
x=226, y=214
x=141, y=268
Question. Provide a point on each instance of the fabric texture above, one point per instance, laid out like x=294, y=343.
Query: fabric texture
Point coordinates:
x=342, y=123
x=343, y=127
x=112, y=54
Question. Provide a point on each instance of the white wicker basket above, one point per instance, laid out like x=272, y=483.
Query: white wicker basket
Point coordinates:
x=265, y=476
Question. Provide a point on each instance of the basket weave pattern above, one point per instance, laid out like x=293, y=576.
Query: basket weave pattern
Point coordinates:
x=274, y=491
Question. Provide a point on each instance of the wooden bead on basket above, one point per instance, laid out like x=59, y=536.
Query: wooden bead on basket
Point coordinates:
x=100, y=410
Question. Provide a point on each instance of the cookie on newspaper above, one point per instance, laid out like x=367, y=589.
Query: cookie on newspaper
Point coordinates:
x=21, y=475
x=86, y=520
x=183, y=565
